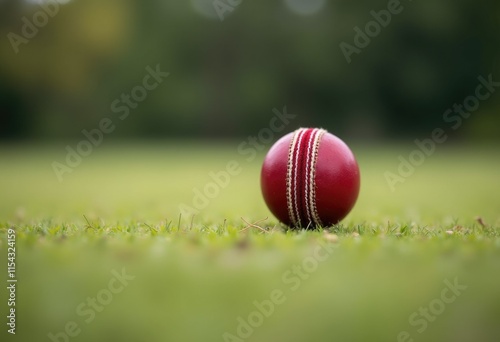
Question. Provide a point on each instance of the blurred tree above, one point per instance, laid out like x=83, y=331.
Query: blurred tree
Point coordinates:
x=226, y=76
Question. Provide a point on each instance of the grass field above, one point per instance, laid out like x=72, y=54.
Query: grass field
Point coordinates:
x=421, y=263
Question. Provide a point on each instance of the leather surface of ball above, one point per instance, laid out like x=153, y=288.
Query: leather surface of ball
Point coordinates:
x=310, y=178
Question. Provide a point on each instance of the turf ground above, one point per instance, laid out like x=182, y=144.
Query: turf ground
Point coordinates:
x=421, y=263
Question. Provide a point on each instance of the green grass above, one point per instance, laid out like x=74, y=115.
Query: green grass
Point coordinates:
x=194, y=276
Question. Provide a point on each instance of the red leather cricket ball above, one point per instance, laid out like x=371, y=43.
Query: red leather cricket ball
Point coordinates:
x=310, y=178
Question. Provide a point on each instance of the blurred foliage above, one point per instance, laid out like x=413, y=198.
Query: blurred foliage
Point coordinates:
x=226, y=76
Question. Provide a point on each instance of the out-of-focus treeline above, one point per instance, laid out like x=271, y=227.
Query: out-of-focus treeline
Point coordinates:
x=227, y=75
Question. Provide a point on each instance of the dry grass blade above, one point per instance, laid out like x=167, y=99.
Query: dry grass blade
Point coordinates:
x=254, y=225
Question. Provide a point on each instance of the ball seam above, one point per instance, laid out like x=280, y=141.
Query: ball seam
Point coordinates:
x=312, y=178
x=289, y=179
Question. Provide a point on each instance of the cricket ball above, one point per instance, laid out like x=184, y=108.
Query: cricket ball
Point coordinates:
x=310, y=178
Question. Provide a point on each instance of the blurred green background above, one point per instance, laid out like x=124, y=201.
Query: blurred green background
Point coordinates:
x=194, y=276
x=226, y=76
